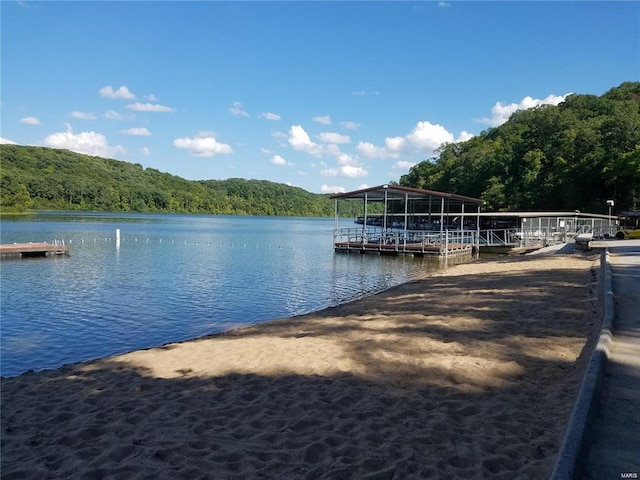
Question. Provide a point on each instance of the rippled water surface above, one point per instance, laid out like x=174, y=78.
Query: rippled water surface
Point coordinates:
x=170, y=278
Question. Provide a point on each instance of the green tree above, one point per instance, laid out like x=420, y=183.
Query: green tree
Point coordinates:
x=59, y=179
x=575, y=155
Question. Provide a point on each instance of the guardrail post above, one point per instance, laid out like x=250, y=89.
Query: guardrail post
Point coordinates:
x=446, y=242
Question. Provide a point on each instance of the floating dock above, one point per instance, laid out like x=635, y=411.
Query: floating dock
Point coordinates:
x=28, y=250
x=413, y=221
x=398, y=246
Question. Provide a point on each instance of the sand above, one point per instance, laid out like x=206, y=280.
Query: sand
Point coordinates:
x=469, y=373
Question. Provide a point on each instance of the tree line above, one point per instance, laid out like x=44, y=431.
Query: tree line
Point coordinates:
x=576, y=155
x=37, y=178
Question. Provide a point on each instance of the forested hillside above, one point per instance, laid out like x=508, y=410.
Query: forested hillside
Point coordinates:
x=44, y=178
x=572, y=156
x=576, y=155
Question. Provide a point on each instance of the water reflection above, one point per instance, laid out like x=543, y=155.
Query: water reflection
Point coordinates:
x=170, y=278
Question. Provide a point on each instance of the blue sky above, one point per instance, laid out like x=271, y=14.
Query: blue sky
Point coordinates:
x=327, y=96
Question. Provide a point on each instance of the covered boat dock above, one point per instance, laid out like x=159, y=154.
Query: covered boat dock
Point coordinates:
x=401, y=220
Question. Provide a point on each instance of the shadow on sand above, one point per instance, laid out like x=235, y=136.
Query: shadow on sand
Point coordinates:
x=453, y=376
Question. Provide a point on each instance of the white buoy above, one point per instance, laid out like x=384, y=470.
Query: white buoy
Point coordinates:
x=117, y=238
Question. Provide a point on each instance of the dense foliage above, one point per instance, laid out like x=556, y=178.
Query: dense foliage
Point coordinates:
x=576, y=155
x=49, y=179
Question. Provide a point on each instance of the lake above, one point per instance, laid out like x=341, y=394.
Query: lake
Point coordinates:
x=170, y=278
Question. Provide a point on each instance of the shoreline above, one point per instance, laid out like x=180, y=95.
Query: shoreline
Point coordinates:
x=427, y=378
x=452, y=262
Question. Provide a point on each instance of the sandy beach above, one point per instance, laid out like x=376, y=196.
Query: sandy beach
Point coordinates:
x=470, y=373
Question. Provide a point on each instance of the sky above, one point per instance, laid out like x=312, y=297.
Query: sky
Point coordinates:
x=329, y=96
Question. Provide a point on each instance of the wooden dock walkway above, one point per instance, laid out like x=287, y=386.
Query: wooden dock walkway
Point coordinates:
x=417, y=243
x=38, y=249
x=395, y=249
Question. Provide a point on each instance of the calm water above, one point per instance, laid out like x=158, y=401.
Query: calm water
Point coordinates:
x=171, y=278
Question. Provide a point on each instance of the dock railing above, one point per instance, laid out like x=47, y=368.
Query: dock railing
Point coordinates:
x=403, y=241
x=499, y=237
x=533, y=236
x=374, y=238
x=600, y=232
x=524, y=237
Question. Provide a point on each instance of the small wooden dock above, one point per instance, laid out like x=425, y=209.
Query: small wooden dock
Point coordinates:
x=28, y=250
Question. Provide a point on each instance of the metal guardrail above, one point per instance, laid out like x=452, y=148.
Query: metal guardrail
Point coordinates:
x=527, y=237
x=376, y=238
x=424, y=241
x=373, y=238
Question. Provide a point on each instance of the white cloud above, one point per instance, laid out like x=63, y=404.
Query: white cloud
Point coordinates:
x=361, y=93
x=331, y=189
x=145, y=151
x=337, y=138
x=122, y=92
x=149, y=107
x=112, y=115
x=299, y=140
x=278, y=160
x=395, y=145
x=349, y=125
x=238, y=110
x=345, y=171
x=342, y=158
x=347, y=165
x=150, y=98
x=500, y=112
x=202, y=145
x=345, y=159
x=90, y=143
x=428, y=137
x=278, y=134
x=30, y=120
x=6, y=141
x=464, y=136
x=270, y=116
x=425, y=138
x=332, y=150
x=369, y=150
x=82, y=115
x=403, y=165
x=322, y=119
x=137, y=131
